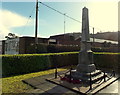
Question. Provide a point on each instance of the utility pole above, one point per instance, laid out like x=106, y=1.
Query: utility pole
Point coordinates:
x=64, y=25
x=36, y=26
x=93, y=37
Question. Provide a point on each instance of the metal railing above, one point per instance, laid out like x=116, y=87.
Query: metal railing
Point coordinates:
x=104, y=79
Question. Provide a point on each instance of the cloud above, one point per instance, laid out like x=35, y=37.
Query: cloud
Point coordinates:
x=9, y=20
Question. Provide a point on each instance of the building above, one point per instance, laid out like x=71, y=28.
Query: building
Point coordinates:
x=75, y=38
x=21, y=45
x=65, y=39
x=2, y=45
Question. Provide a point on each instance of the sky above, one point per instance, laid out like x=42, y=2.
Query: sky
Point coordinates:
x=15, y=17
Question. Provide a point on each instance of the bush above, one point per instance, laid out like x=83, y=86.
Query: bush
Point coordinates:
x=101, y=49
x=106, y=60
x=63, y=60
x=45, y=48
x=13, y=65
x=51, y=48
x=27, y=63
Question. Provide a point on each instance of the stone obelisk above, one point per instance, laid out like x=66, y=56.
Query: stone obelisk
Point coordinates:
x=85, y=55
x=85, y=66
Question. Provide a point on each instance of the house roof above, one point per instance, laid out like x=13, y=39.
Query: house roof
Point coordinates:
x=102, y=41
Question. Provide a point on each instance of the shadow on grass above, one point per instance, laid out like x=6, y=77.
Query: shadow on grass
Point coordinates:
x=5, y=76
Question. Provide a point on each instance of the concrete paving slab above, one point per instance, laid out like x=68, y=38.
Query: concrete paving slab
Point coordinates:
x=36, y=91
x=54, y=90
x=104, y=84
x=82, y=88
x=35, y=81
x=32, y=82
x=44, y=87
x=40, y=80
x=113, y=88
x=51, y=85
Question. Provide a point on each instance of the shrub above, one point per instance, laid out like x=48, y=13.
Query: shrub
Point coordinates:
x=27, y=63
x=106, y=60
x=45, y=48
x=13, y=65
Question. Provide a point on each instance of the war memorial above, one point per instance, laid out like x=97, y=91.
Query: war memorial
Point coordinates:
x=85, y=79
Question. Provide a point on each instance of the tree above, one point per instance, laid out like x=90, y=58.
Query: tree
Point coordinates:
x=104, y=44
x=11, y=36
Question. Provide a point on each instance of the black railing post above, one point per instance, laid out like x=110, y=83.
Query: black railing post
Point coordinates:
x=70, y=74
x=113, y=73
x=104, y=77
x=55, y=72
x=90, y=82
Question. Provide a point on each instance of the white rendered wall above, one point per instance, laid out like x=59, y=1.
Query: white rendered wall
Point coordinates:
x=12, y=46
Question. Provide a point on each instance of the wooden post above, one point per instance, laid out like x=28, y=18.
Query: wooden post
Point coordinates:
x=36, y=27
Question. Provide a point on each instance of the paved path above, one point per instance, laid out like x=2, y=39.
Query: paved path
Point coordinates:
x=113, y=88
x=42, y=86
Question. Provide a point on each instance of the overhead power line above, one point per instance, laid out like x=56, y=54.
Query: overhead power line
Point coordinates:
x=29, y=17
x=62, y=13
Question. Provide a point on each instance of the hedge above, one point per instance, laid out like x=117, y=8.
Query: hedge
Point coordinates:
x=107, y=60
x=27, y=63
x=51, y=48
x=45, y=48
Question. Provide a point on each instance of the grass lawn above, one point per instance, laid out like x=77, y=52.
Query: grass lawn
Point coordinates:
x=15, y=85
